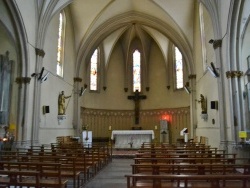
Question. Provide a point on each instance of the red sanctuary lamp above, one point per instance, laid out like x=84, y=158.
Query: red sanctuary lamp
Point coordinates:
x=166, y=117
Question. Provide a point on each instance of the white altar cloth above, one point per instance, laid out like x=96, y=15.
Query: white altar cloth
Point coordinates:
x=131, y=138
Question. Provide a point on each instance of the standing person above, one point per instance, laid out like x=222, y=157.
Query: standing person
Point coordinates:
x=61, y=103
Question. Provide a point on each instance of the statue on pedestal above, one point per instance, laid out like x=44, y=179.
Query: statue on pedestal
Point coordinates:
x=203, y=102
x=61, y=103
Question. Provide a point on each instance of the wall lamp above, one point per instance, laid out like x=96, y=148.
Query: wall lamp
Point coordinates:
x=187, y=89
x=81, y=91
x=40, y=75
x=215, y=43
x=213, y=70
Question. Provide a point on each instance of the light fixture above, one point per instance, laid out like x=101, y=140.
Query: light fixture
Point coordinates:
x=81, y=91
x=213, y=70
x=215, y=43
x=187, y=89
x=45, y=77
x=40, y=75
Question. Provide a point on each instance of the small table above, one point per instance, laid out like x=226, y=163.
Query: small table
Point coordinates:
x=131, y=138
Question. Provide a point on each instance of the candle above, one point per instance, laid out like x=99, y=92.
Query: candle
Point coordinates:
x=155, y=127
x=110, y=128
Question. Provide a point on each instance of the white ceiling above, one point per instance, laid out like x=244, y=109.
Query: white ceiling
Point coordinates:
x=107, y=22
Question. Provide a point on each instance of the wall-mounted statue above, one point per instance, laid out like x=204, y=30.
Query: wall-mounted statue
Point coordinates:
x=203, y=102
x=61, y=103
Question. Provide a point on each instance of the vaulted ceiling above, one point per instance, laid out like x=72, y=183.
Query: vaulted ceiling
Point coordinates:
x=108, y=22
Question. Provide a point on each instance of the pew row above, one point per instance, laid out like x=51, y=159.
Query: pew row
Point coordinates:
x=170, y=181
x=199, y=169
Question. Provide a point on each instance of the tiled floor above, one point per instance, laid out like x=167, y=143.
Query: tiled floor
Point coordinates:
x=112, y=176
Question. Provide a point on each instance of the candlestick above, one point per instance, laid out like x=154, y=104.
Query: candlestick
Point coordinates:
x=156, y=127
x=110, y=128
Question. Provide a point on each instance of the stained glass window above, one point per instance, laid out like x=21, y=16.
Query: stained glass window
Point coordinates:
x=203, y=37
x=60, y=44
x=178, y=69
x=93, y=71
x=136, y=71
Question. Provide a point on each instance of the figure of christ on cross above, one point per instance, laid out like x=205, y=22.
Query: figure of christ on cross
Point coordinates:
x=137, y=97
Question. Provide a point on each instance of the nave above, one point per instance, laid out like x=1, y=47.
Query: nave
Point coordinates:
x=157, y=165
x=160, y=165
x=113, y=175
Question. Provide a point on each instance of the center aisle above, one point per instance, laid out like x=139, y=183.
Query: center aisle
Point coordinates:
x=112, y=175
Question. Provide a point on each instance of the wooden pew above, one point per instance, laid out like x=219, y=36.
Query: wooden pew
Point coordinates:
x=95, y=157
x=184, y=155
x=19, y=178
x=174, y=145
x=68, y=164
x=50, y=173
x=199, y=169
x=158, y=181
x=97, y=154
x=181, y=150
x=196, y=160
x=82, y=161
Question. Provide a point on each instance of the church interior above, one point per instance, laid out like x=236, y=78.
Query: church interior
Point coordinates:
x=176, y=70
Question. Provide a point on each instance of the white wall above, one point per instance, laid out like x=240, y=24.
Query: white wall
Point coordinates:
x=49, y=125
x=157, y=97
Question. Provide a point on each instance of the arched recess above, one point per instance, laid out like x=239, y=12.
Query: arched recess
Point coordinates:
x=175, y=36
x=213, y=8
x=22, y=79
x=123, y=20
x=45, y=12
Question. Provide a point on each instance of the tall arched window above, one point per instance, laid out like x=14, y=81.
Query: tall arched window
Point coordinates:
x=94, y=70
x=136, y=71
x=178, y=69
x=60, y=44
x=203, y=37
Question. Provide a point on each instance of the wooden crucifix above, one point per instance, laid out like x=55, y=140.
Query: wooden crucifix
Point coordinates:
x=137, y=97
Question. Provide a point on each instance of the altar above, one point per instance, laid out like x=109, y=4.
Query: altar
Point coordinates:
x=131, y=138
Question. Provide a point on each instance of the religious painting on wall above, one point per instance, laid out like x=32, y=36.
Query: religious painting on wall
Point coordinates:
x=5, y=88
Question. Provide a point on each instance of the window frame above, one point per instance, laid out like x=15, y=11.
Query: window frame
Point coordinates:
x=97, y=71
x=133, y=84
x=61, y=39
x=175, y=69
x=203, y=37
